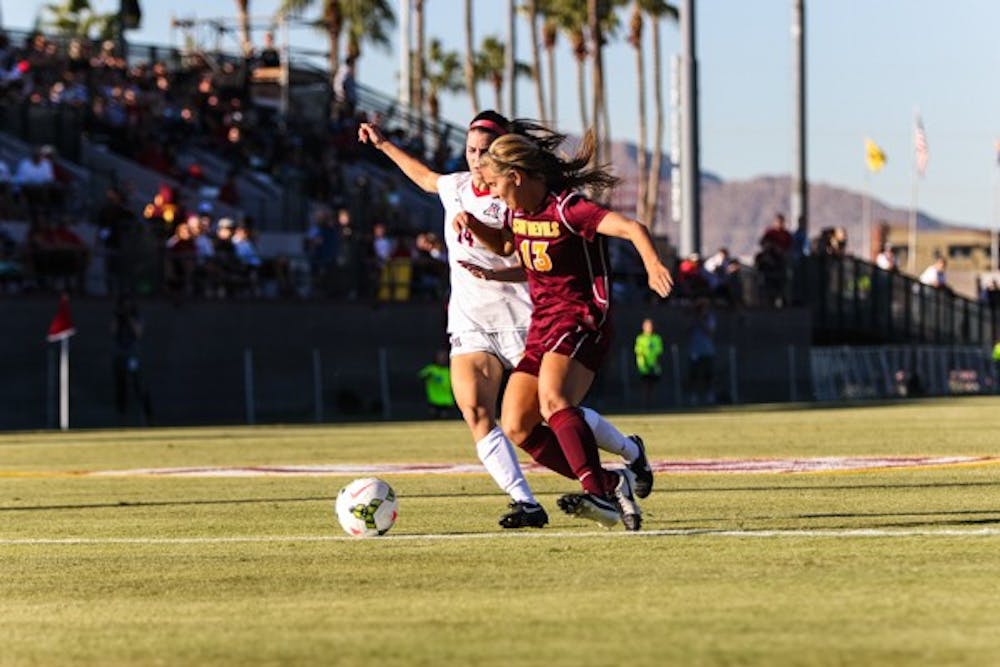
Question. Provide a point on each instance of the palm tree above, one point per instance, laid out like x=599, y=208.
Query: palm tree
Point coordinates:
x=243, y=17
x=657, y=9
x=601, y=21
x=569, y=17
x=367, y=21
x=635, y=39
x=418, y=65
x=490, y=65
x=531, y=10
x=76, y=18
x=597, y=52
x=469, y=61
x=550, y=33
x=442, y=75
x=332, y=24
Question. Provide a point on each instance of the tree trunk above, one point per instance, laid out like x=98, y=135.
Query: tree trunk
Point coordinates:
x=653, y=185
x=243, y=15
x=334, y=22
x=536, y=58
x=579, y=47
x=635, y=38
x=581, y=80
x=596, y=39
x=498, y=91
x=470, y=72
x=551, y=57
x=418, y=66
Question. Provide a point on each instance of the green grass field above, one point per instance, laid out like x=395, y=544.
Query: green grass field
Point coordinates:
x=875, y=567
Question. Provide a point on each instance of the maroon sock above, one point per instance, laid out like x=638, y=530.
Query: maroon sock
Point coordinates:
x=578, y=445
x=542, y=445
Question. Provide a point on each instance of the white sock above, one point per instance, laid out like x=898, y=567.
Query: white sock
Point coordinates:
x=609, y=438
x=497, y=455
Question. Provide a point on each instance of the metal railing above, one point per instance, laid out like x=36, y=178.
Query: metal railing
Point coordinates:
x=855, y=302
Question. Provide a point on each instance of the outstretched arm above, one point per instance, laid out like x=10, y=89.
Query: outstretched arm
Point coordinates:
x=415, y=170
x=617, y=225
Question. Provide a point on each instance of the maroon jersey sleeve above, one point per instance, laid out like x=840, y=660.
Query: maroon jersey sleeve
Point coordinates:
x=582, y=216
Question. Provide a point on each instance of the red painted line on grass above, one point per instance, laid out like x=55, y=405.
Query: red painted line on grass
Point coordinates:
x=828, y=464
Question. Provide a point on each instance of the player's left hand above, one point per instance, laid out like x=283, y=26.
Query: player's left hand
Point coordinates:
x=480, y=272
x=660, y=280
x=462, y=221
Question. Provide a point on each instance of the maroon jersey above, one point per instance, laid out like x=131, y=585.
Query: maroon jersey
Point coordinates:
x=565, y=259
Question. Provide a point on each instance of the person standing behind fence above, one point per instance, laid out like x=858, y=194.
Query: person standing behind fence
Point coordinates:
x=648, y=350
x=126, y=332
x=437, y=385
x=701, y=351
x=996, y=367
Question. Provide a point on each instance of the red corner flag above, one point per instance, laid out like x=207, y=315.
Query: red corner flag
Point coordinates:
x=62, y=324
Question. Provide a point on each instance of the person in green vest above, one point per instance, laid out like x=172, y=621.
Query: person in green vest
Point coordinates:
x=996, y=367
x=437, y=384
x=648, y=350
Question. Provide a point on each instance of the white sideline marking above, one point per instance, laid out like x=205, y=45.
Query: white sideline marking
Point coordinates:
x=682, y=532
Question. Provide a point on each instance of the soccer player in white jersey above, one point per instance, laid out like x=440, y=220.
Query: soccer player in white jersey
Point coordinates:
x=488, y=319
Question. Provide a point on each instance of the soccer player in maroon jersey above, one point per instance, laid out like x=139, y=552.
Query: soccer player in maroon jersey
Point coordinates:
x=559, y=236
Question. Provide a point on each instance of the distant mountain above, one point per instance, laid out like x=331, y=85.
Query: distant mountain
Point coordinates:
x=735, y=213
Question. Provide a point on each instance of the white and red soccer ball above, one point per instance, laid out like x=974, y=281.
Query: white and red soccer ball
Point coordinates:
x=367, y=507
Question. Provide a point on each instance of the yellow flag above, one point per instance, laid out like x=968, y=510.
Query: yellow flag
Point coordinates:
x=874, y=157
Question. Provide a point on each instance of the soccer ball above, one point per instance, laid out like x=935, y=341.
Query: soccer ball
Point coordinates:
x=366, y=507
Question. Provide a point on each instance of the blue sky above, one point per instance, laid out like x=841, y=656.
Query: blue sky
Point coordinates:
x=870, y=64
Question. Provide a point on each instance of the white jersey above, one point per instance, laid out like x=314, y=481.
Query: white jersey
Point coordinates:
x=476, y=304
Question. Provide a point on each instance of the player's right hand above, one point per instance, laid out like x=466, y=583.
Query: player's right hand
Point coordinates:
x=369, y=133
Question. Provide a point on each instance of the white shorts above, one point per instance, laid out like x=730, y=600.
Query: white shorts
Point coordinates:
x=507, y=346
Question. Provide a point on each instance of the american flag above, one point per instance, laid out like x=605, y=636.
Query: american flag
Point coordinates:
x=920, y=145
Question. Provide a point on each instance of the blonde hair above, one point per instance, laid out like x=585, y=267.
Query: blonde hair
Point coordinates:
x=534, y=152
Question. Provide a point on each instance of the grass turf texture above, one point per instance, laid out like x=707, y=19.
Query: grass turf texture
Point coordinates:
x=571, y=594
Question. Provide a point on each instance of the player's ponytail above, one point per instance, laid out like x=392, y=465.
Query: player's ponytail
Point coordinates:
x=533, y=151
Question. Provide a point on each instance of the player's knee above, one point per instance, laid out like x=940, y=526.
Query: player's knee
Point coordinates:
x=477, y=417
x=517, y=428
x=549, y=404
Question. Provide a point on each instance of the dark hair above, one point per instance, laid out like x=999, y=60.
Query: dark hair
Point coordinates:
x=491, y=122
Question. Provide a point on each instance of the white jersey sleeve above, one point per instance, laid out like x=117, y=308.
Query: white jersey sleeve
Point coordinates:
x=476, y=304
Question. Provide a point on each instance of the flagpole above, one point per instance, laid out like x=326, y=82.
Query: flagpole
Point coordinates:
x=64, y=384
x=911, y=250
x=866, y=220
x=911, y=246
x=995, y=232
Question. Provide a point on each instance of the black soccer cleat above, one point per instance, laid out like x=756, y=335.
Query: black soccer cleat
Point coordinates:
x=524, y=515
x=643, y=485
x=589, y=506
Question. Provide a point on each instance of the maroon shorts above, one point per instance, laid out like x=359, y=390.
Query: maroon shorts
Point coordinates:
x=568, y=338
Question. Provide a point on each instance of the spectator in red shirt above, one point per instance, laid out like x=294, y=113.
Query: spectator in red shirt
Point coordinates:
x=778, y=235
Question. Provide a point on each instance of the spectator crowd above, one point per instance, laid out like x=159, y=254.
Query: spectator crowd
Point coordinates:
x=152, y=114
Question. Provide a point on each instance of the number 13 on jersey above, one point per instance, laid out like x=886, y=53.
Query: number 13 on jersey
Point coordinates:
x=535, y=255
